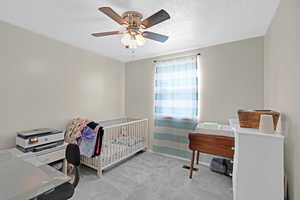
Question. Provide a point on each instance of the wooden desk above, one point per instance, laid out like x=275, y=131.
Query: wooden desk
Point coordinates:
x=210, y=144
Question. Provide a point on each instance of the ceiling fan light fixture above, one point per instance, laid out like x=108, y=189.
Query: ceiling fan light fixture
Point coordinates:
x=140, y=40
x=129, y=41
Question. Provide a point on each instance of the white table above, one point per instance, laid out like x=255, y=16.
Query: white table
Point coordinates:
x=48, y=156
x=24, y=177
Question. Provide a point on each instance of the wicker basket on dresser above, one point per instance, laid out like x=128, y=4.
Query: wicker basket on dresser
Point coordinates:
x=251, y=118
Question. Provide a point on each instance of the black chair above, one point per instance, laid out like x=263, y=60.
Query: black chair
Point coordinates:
x=66, y=191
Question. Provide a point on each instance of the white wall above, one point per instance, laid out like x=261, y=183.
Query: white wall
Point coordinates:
x=45, y=83
x=282, y=83
x=232, y=78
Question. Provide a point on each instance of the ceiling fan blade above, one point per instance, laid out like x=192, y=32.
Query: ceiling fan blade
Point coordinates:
x=157, y=18
x=155, y=36
x=106, y=33
x=112, y=14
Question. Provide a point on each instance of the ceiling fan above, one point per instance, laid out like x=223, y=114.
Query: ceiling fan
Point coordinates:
x=132, y=20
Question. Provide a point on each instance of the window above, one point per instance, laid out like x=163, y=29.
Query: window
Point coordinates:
x=176, y=89
x=176, y=105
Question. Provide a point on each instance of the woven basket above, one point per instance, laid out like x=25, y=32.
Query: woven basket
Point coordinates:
x=251, y=118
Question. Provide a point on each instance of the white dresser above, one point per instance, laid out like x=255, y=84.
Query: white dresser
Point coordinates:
x=258, y=172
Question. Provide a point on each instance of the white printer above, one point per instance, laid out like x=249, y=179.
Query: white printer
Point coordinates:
x=39, y=139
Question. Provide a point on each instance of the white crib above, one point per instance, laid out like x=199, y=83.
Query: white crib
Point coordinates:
x=122, y=138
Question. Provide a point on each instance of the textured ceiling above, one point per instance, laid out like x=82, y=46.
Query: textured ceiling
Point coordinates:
x=193, y=24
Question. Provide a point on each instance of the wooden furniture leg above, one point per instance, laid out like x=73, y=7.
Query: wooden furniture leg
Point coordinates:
x=192, y=164
x=65, y=167
x=197, y=157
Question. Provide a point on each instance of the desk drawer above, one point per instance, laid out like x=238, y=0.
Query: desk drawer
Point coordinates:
x=211, y=144
x=52, y=156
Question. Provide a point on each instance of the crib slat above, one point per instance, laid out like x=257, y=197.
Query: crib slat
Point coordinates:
x=138, y=135
x=135, y=132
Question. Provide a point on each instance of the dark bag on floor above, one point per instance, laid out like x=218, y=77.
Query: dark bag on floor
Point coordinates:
x=221, y=166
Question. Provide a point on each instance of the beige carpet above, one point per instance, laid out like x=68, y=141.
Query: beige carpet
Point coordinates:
x=149, y=176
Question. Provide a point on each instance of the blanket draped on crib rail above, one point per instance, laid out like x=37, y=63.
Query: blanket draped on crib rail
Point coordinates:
x=87, y=134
